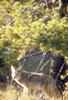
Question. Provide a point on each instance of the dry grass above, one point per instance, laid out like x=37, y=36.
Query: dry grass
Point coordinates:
x=12, y=94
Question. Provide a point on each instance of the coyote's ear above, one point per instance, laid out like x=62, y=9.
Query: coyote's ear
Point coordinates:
x=12, y=72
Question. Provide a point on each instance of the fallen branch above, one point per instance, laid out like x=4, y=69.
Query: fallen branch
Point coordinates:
x=45, y=56
x=25, y=89
x=33, y=54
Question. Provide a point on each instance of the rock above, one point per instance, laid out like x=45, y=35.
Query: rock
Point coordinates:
x=35, y=13
x=45, y=19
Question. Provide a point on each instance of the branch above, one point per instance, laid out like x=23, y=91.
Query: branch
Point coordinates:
x=30, y=55
x=45, y=56
x=25, y=89
x=41, y=62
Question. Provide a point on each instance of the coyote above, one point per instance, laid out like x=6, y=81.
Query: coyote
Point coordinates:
x=46, y=78
x=35, y=81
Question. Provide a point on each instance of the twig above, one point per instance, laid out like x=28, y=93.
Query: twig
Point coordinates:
x=44, y=54
x=60, y=70
x=42, y=67
x=12, y=21
x=33, y=54
x=23, y=11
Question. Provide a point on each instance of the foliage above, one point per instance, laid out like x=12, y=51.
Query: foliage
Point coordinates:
x=24, y=34
x=19, y=34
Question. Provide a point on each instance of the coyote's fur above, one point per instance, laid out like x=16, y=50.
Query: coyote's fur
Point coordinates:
x=37, y=81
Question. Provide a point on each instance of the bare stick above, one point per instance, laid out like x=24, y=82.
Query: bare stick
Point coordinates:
x=25, y=89
x=42, y=67
x=45, y=56
x=41, y=62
